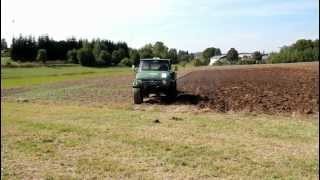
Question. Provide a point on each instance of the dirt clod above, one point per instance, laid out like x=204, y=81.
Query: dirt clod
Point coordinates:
x=23, y=100
x=176, y=118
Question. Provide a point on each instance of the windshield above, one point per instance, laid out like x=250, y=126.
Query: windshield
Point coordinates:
x=154, y=65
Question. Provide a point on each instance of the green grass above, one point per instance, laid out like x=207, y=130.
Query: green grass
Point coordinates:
x=24, y=77
x=53, y=136
x=5, y=60
x=76, y=142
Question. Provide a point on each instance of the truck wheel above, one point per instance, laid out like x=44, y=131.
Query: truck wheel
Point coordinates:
x=172, y=94
x=137, y=96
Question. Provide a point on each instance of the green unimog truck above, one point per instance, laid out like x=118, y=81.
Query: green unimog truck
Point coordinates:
x=154, y=76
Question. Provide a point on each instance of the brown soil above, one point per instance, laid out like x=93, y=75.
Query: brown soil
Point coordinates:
x=268, y=90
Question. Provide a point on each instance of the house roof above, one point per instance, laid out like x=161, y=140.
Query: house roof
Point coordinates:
x=218, y=57
x=158, y=59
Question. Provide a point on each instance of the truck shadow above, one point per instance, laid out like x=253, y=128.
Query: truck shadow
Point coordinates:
x=181, y=99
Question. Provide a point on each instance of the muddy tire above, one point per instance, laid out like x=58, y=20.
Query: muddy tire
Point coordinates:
x=137, y=96
x=172, y=94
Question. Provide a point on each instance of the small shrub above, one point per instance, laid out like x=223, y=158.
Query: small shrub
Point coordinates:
x=183, y=63
x=42, y=55
x=197, y=62
x=126, y=62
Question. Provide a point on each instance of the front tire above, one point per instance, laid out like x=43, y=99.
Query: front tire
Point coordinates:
x=172, y=94
x=137, y=96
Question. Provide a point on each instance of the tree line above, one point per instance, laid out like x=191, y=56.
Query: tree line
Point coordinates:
x=100, y=52
x=97, y=52
x=302, y=50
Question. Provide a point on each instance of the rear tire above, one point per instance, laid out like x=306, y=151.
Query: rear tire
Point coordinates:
x=137, y=96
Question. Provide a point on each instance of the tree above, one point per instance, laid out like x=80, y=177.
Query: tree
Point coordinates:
x=232, y=56
x=115, y=57
x=134, y=56
x=122, y=53
x=24, y=48
x=4, y=45
x=208, y=53
x=42, y=55
x=303, y=44
x=124, y=47
x=86, y=57
x=72, y=56
x=146, y=51
x=105, y=58
x=302, y=50
x=257, y=56
x=173, y=56
x=160, y=50
x=96, y=48
x=184, y=56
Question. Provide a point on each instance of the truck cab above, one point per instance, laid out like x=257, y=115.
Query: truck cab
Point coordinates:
x=154, y=76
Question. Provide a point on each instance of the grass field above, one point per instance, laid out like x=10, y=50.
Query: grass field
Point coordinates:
x=75, y=129
x=22, y=77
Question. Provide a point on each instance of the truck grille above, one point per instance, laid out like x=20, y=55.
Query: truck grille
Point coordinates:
x=151, y=82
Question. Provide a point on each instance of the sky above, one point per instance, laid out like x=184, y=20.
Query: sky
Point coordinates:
x=193, y=25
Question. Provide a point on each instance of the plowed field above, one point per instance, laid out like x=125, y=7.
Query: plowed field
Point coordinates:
x=267, y=89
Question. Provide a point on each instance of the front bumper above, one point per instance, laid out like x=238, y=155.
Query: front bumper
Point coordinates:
x=153, y=85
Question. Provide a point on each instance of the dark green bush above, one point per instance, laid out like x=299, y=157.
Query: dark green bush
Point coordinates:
x=104, y=58
x=86, y=57
x=126, y=62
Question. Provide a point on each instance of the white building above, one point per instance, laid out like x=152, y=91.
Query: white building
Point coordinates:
x=244, y=56
x=216, y=58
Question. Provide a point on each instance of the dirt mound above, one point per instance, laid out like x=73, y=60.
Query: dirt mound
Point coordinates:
x=269, y=90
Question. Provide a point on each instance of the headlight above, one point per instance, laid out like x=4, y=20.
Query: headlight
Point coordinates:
x=137, y=82
x=164, y=82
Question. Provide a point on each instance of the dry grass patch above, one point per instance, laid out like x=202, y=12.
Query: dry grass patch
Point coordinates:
x=72, y=142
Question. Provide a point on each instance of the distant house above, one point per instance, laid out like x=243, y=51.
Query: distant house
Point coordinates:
x=214, y=59
x=265, y=56
x=245, y=56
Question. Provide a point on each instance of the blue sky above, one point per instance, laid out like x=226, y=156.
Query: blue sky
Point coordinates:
x=193, y=25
